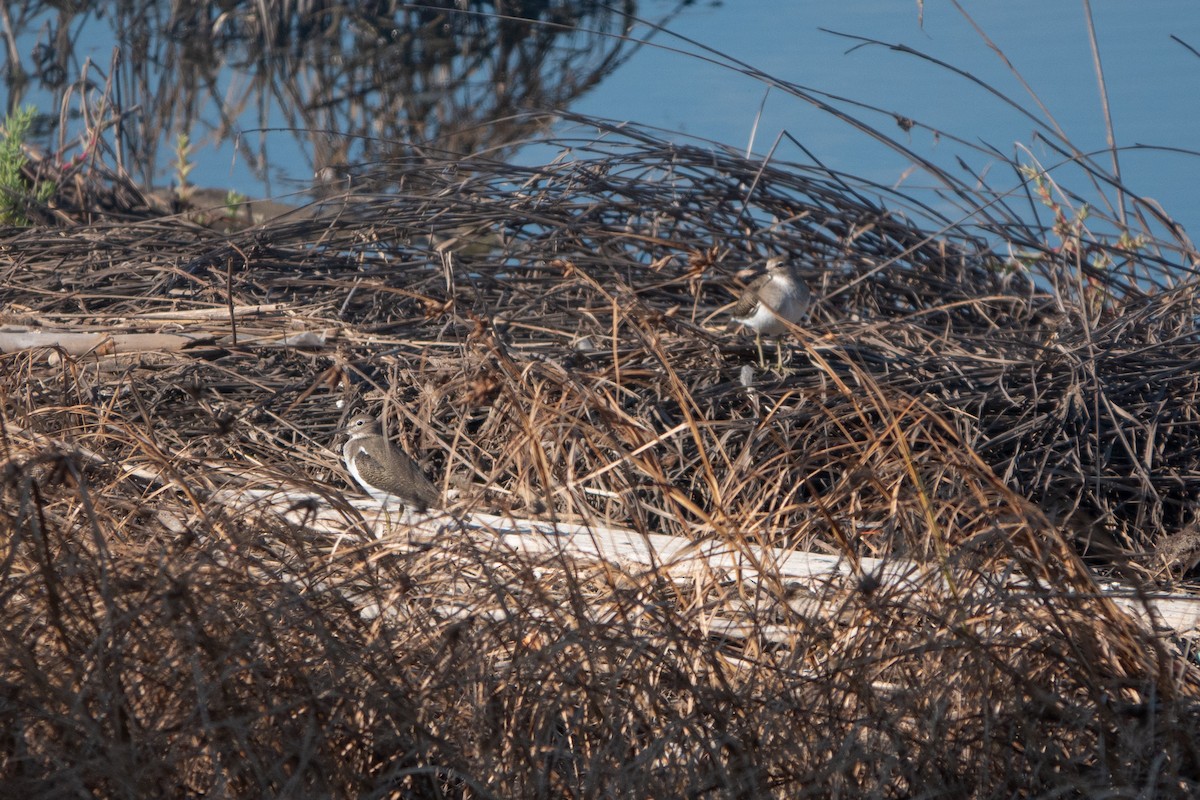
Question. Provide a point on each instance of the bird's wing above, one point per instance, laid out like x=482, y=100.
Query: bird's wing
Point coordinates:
x=747, y=304
x=410, y=483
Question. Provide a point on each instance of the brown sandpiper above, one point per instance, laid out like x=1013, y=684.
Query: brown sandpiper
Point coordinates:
x=771, y=302
x=384, y=471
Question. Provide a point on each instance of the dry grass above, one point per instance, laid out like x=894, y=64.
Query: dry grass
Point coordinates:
x=551, y=341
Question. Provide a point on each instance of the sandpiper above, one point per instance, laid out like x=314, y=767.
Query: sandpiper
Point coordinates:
x=770, y=302
x=386, y=473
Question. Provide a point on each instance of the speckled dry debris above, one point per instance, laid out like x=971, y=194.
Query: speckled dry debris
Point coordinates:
x=553, y=343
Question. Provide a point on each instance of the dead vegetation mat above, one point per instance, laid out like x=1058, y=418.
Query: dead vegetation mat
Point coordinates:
x=552, y=343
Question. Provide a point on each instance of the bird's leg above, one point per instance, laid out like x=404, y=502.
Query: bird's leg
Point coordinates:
x=387, y=522
x=391, y=520
x=779, y=353
x=762, y=360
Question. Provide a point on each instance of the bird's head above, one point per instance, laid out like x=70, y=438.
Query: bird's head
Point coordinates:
x=362, y=425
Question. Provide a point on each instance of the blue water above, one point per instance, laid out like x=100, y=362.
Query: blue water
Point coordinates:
x=1152, y=81
x=1152, y=84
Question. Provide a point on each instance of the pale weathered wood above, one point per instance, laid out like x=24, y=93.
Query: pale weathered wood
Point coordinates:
x=676, y=557
x=76, y=344
x=215, y=312
x=683, y=559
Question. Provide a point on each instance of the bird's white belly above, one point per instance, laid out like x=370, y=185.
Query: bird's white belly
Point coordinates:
x=765, y=321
